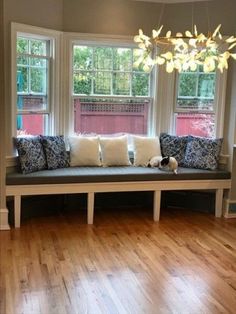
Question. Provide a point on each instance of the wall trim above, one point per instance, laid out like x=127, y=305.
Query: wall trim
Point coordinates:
x=226, y=208
x=11, y=161
x=4, y=219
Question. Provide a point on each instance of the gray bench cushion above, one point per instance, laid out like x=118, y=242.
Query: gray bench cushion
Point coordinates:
x=111, y=174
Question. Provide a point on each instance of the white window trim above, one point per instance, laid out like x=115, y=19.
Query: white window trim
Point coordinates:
x=54, y=75
x=94, y=40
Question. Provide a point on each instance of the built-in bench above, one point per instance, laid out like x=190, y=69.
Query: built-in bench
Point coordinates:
x=93, y=180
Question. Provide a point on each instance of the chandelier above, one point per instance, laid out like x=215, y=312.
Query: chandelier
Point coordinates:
x=183, y=52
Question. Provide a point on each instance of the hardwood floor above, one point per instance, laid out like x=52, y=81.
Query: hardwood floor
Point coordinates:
x=124, y=263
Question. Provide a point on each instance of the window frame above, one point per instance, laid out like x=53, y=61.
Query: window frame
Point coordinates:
x=218, y=103
x=53, y=97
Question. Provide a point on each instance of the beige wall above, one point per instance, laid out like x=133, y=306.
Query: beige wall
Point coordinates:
x=44, y=13
x=125, y=17
x=233, y=188
x=179, y=17
x=230, y=112
x=2, y=120
x=120, y=17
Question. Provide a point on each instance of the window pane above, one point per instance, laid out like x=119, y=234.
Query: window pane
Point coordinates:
x=38, y=80
x=187, y=84
x=21, y=60
x=196, y=104
x=140, y=84
x=33, y=124
x=136, y=55
x=82, y=57
x=102, y=83
x=38, y=62
x=121, y=83
x=38, y=47
x=122, y=59
x=195, y=124
x=22, y=45
x=103, y=58
x=22, y=79
x=206, y=85
x=82, y=83
x=110, y=116
x=31, y=103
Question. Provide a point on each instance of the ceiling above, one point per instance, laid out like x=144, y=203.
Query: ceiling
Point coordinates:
x=172, y=1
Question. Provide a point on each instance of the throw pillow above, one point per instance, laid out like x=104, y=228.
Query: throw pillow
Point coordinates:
x=144, y=149
x=203, y=153
x=174, y=146
x=114, y=151
x=84, y=151
x=55, y=151
x=31, y=154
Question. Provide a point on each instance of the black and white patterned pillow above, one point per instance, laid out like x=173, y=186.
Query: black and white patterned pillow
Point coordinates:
x=55, y=151
x=31, y=154
x=174, y=146
x=203, y=153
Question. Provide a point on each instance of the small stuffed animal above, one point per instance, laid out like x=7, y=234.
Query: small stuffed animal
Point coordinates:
x=170, y=163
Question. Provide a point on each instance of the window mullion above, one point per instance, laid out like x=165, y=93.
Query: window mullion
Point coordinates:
x=131, y=72
x=93, y=71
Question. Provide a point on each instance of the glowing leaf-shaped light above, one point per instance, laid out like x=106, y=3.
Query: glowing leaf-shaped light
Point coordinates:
x=188, y=34
x=216, y=30
x=169, y=66
x=168, y=55
x=192, y=42
x=179, y=35
x=178, y=65
x=137, y=39
x=140, y=31
x=233, y=55
x=156, y=33
x=142, y=46
x=195, y=31
x=232, y=46
x=146, y=68
x=168, y=34
x=231, y=39
x=160, y=60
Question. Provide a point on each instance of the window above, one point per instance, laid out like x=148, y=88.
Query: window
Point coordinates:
x=33, y=56
x=195, y=105
x=109, y=94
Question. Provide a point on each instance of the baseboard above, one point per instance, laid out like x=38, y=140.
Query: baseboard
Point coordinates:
x=229, y=208
x=4, y=225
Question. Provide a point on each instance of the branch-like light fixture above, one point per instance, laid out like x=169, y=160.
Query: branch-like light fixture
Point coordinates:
x=186, y=51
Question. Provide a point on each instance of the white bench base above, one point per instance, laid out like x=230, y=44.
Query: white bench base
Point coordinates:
x=91, y=188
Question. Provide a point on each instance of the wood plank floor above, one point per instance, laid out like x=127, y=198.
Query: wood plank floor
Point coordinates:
x=124, y=263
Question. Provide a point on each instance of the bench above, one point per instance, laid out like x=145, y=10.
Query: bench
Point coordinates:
x=93, y=180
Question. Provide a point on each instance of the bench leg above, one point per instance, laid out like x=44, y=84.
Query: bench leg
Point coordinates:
x=218, y=202
x=90, y=207
x=17, y=210
x=156, y=205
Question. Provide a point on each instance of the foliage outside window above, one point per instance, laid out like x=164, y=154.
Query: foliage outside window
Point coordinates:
x=108, y=71
x=195, y=105
x=32, y=85
x=107, y=91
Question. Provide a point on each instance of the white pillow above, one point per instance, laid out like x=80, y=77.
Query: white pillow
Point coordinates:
x=144, y=149
x=114, y=151
x=84, y=151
